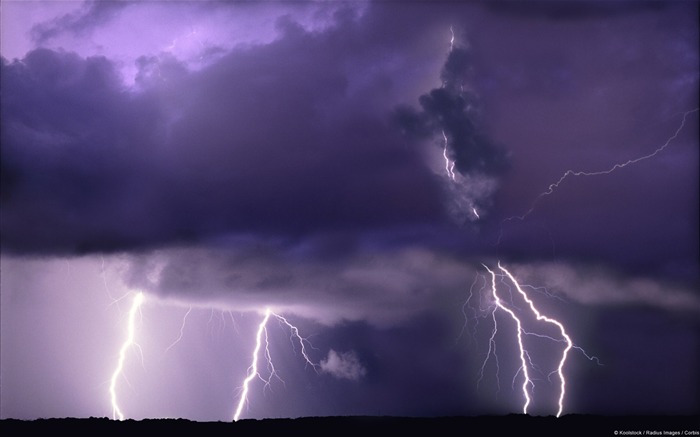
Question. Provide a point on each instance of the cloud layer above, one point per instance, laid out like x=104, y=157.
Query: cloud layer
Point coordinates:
x=355, y=167
x=278, y=139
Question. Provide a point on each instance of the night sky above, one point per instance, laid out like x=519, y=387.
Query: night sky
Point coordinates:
x=359, y=168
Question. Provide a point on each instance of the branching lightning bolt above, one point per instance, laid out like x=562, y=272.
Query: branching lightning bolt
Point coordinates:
x=497, y=302
x=617, y=166
x=128, y=342
x=295, y=333
x=253, y=371
x=569, y=343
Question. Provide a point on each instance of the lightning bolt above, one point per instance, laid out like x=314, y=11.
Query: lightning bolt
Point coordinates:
x=526, y=361
x=182, y=330
x=253, y=371
x=449, y=165
x=569, y=343
x=491, y=352
x=128, y=342
x=295, y=334
x=499, y=304
x=617, y=166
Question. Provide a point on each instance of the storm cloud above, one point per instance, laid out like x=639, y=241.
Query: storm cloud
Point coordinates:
x=269, y=140
x=357, y=167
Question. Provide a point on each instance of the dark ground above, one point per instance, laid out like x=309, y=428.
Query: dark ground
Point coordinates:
x=512, y=425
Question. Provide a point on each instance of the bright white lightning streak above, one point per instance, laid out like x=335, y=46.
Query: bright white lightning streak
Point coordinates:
x=295, y=333
x=449, y=165
x=253, y=369
x=523, y=352
x=135, y=306
x=569, y=343
x=496, y=303
x=475, y=212
x=526, y=375
x=617, y=166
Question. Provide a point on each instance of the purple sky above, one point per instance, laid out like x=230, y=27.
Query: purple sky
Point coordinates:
x=357, y=167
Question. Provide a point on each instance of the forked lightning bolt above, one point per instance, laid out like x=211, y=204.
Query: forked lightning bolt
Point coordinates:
x=295, y=333
x=569, y=343
x=253, y=371
x=526, y=361
x=128, y=342
x=524, y=368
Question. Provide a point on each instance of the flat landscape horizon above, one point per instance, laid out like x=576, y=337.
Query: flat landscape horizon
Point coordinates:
x=487, y=425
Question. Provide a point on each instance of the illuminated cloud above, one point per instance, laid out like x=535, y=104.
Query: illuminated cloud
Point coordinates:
x=345, y=365
x=380, y=287
x=598, y=285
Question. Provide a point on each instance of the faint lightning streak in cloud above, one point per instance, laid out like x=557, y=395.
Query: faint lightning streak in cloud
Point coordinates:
x=128, y=342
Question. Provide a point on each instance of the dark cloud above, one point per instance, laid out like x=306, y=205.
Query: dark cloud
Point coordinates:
x=452, y=111
x=269, y=139
x=302, y=136
x=574, y=9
